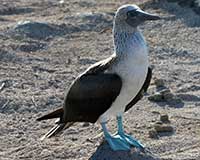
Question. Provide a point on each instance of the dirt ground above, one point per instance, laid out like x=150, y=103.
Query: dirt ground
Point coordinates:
x=38, y=63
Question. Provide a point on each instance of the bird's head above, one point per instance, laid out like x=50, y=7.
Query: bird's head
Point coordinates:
x=131, y=16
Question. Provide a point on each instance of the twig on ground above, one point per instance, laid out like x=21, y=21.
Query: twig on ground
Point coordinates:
x=2, y=86
x=4, y=106
x=33, y=101
x=98, y=135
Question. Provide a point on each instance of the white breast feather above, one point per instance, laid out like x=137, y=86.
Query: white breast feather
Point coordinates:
x=132, y=69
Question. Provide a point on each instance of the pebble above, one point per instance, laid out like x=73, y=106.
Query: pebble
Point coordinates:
x=86, y=124
x=159, y=82
x=37, y=30
x=153, y=134
x=164, y=118
x=164, y=95
x=163, y=128
x=157, y=97
x=74, y=139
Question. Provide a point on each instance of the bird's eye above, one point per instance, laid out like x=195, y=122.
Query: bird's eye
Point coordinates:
x=132, y=13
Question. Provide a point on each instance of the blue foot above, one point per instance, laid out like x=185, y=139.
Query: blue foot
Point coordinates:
x=117, y=143
x=132, y=141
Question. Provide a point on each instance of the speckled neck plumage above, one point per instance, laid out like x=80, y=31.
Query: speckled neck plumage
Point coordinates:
x=125, y=37
x=125, y=42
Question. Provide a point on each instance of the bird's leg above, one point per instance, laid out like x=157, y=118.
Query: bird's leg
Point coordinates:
x=129, y=139
x=116, y=142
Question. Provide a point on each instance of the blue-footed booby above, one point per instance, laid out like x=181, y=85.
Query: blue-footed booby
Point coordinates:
x=112, y=86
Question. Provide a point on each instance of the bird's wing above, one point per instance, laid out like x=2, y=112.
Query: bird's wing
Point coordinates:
x=142, y=90
x=101, y=66
x=92, y=93
x=89, y=96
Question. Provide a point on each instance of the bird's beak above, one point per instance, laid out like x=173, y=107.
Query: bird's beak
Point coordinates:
x=147, y=16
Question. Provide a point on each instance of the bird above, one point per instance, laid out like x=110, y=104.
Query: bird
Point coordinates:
x=111, y=86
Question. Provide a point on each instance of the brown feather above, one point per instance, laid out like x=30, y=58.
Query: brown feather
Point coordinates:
x=55, y=114
x=87, y=97
x=56, y=129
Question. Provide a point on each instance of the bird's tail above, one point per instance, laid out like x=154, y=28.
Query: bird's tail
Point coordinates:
x=60, y=125
x=55, y=114
x=56, y=129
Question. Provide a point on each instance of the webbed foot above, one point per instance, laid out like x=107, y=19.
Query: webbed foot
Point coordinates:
x=117, y=143
x=132, y=141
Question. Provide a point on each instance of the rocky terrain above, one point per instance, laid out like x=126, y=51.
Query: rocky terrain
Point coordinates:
x=45, y=44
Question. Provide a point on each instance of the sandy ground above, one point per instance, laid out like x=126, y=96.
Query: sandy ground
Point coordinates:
x=36, y=69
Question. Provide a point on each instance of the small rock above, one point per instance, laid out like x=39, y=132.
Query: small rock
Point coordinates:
x=69, y=61
x=164, y=118
x=159, y=122
x=163, y=128
x=159, y=82
x=157, y=97
x=37, y=30
x=166, y=93
x=74, y=139
x=86, y=124
x=153, y=134
x=155, y=112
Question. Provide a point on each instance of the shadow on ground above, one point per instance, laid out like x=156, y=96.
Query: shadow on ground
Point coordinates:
x=171, y=104
x=104, y=152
